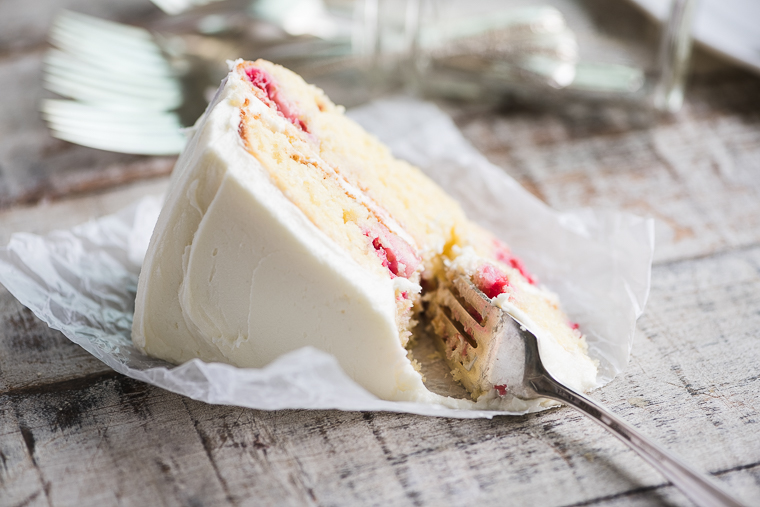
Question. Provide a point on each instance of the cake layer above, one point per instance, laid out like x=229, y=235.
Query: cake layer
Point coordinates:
x=396, y=193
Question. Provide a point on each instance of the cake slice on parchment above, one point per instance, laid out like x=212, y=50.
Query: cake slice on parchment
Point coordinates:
x=287, y=225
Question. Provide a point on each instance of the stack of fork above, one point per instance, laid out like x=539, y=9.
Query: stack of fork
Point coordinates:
x=123, y=89
x=132, y=91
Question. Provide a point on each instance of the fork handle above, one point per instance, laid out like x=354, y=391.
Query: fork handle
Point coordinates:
x=695, y=485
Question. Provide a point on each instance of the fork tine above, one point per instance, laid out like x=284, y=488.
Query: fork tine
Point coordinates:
x=112, y=48
x=68, y=31
x=168, y=96
x=471, y=343
x=59, y=62
x=92, y=93
x=118, y=60
x=160, y=137
x=66, y=115
x=123, y=86
x=118, y=131
x=64, y=110
x=138, y=144
x=100, y=87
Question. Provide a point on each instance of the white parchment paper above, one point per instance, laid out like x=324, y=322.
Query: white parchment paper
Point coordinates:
x=83, y=281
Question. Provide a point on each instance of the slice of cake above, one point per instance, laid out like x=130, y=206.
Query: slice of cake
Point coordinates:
x=287, y=225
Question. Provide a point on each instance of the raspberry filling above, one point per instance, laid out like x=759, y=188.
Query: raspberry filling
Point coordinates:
x=397, y=255
x=490, y=280
x=263, y=81
x=503, y=254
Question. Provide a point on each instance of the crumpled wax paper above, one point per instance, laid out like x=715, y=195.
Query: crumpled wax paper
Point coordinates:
x=83, y=281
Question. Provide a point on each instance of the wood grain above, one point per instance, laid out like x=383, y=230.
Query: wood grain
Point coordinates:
x=33, y=355
x=697, y=174
x=72, y=432
x=694, y=387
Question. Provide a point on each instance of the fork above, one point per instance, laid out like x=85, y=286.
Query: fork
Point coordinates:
x=132, y=90
x=509, y=359
x=123, y=89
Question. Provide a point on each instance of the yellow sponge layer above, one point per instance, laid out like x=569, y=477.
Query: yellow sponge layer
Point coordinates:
x=421, y=208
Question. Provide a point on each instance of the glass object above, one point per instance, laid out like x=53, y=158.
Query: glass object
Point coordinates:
x=553, y=53
x=559, y=51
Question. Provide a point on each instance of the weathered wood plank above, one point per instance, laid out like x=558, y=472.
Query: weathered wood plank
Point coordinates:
x=692, y=385
x=679, y=389
x=734, y=481
x=32, y=354
x=116, y=441
x=20, y=480
x=697, y=174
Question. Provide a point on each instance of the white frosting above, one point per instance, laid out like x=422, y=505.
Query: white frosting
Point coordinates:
x=236, y=273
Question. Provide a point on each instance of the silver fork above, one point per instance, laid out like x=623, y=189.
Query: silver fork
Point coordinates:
x=133, y=91
x=507, y=355
x=124, y=91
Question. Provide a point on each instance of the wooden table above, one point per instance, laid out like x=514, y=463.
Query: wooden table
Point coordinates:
x=73, y=432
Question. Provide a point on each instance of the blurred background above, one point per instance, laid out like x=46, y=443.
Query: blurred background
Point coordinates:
x=559, y=68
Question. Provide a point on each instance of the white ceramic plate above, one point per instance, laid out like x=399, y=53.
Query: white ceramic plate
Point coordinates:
x=729, y=27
